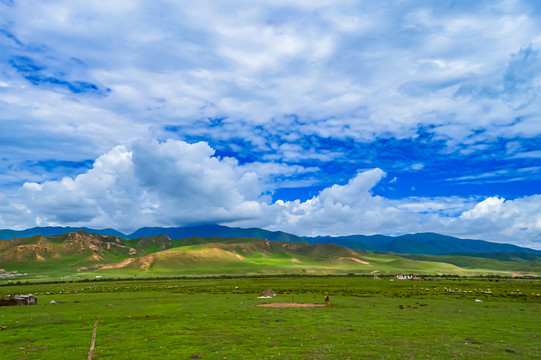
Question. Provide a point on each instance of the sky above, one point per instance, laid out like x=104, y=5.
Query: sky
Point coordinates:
x=312, y=117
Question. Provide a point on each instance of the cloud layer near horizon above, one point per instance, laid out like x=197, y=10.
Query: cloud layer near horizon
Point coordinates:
x=175, y=183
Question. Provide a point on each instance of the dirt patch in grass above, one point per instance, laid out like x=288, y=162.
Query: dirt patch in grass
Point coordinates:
x=281, y=305
x=119, y=265
x=472, y=341
x=356, y=260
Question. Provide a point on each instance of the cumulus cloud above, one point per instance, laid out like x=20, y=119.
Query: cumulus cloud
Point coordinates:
x=149, y=183
x=174, y=183
x=499, y=219
x=341, y=210
x=352, y=208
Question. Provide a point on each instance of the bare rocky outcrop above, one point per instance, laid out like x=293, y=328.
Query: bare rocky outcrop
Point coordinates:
x=146, y=261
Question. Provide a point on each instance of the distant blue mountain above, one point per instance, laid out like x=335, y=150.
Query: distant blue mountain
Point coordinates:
x=206, y=231
x=357, y=242
x=437, y=244
x=422, y=243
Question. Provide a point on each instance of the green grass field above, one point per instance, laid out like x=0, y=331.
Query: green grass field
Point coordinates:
x=218, y=318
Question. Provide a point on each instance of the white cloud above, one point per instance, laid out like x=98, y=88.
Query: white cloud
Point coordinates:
x=497, y=219
x=529, y=155
x=417, y=166
x=150, y=183
x=175, y=183
x=340, y=210
x=333, y=64
x=489, y=207
x=279, y=175
x=351, y=209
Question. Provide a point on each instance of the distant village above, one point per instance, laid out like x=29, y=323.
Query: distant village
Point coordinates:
x=10, y=274
x=407, y=277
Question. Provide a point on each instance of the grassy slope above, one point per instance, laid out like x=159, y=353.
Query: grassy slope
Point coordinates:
x=502, y=256
x=260, y=256
x=469, y=262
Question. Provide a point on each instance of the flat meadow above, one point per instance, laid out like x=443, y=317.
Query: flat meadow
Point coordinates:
x=219, y=318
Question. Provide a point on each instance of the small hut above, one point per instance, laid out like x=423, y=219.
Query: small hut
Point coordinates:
x=19, y=300
x=26, y=299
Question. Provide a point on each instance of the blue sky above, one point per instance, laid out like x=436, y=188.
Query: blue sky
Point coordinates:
x=314, y=117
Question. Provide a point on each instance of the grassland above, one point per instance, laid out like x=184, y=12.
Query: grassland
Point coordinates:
x=218, y=318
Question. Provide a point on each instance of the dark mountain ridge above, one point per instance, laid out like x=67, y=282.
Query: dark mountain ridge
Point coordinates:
x=421, y=243
x=55, y=230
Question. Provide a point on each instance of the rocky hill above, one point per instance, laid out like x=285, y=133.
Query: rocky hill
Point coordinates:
x=85, y=254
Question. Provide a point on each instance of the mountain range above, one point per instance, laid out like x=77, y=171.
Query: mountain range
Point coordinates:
x=81, y=254
x=421, y=243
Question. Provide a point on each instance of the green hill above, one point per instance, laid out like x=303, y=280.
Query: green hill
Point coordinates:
x=502, y=256
x=471, y=262
x=82, y=255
